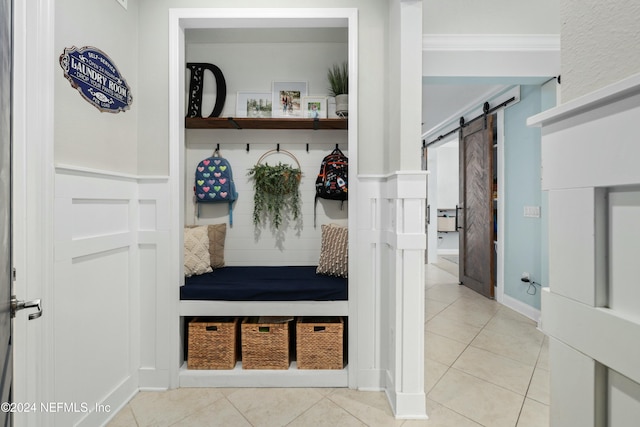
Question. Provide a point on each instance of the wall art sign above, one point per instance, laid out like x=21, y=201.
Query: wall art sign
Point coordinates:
x=196, y=89
x=96, y=77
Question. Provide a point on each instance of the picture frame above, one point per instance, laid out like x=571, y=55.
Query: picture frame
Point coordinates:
x=287, y=99
x=254, y=104
x=314, y=107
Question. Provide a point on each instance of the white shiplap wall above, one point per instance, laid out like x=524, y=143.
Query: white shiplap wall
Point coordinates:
x=244, y=245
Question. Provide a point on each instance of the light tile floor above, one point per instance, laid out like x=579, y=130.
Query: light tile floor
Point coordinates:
x=485, y=365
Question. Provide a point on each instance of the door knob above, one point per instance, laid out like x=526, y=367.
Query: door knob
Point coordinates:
x=17, y=305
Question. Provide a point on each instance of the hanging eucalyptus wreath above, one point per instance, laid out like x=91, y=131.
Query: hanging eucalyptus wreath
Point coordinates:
x=276, y=192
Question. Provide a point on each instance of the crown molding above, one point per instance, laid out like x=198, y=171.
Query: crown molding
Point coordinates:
x=491, y=42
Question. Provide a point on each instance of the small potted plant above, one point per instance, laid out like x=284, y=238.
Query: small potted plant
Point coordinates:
x=338, y=77
x=276, y=192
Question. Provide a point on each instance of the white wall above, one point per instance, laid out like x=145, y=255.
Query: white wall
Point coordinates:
x=494, y=17
x=599, y=44
x=448, y=178
x=447, y=192
x=84, y=136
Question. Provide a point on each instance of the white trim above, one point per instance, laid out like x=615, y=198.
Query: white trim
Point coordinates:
x=448, y=252
x=522, y=308
x=591, y=101
x=62, y=168
x=34, y=59
x=501, y=207
x=238, y=377
x=491, y=42
x=491, y=56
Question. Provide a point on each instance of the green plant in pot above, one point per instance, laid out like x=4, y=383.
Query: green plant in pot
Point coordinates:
x=338, y=77
x=276, y=193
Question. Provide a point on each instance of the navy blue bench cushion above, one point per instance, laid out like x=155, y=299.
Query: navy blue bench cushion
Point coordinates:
x=293, y=283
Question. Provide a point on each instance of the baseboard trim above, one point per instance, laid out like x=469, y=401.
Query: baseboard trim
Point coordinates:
x=448, y=251
x=522, y=308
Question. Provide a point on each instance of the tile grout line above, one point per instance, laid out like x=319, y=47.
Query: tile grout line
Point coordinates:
x=349, y=412
x=307, y=410
x=524, y=397
x=239, y=411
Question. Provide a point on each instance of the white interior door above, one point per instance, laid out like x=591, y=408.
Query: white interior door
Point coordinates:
x=6, y=363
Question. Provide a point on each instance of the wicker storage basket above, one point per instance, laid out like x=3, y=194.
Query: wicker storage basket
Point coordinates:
x=265, y=343
x=212, y=343
x=319, y=342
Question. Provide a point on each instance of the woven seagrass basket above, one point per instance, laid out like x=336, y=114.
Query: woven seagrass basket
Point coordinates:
x=319, y=343
x=265, y=343
x=212, y=343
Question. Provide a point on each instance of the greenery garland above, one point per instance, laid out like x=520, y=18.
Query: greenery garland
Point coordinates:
x=276, y=191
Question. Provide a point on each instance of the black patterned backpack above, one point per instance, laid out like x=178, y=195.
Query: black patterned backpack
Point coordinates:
x=333, y=179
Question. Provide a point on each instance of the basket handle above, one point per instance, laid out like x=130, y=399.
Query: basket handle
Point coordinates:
x=288, y=153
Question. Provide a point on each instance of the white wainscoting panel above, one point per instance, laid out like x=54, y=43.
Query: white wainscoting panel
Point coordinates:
x=402, y=210
x=367, y=297
x=157, y=292
x=104, y=323
x=589, y=156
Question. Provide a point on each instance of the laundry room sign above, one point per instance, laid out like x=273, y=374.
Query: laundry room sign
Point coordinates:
x=96, y=77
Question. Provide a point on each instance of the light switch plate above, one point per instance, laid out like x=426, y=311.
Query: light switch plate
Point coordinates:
x=123, y=3
x=532, y=211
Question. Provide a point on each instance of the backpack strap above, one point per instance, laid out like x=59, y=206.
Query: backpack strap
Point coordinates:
x=315, y=205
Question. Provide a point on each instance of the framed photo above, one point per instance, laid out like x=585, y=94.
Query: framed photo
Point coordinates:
x=314, y=107
x=287, y=99
x=254, y=104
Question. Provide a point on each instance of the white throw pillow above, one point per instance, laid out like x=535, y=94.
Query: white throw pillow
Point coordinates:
x=196, y=251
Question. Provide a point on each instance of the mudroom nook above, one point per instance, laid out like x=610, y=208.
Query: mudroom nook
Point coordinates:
x=383, y=214
x=262, y=257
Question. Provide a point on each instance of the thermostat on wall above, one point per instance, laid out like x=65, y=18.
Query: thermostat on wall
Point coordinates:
x=123, y=3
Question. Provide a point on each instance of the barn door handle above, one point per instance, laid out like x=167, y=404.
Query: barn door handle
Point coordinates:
x=458, y=208
x=17, y=305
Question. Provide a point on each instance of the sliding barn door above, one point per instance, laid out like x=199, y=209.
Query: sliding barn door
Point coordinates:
x=475, y=209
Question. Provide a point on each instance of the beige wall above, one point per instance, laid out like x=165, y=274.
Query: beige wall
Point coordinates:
x=84, y=136
x=599, y=44
x=153, y=26
x=491, y=17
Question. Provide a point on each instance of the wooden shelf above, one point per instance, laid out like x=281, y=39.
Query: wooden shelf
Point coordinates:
x=250, y=123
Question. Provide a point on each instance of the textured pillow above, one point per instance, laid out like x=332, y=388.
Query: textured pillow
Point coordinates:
x=334, y=254
x=217, y=235
x=196, y=251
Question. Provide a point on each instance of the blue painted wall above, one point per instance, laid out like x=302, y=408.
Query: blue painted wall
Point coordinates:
x=523, y=236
